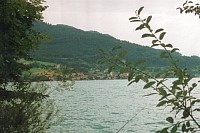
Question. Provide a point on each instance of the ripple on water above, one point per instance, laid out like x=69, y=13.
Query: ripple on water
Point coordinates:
x=105, y=106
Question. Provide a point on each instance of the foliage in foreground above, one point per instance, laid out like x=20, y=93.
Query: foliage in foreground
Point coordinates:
x=24, y=108
x=179, y=95
x=30, y=112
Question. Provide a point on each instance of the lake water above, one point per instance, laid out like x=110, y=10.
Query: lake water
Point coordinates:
x=104, y=106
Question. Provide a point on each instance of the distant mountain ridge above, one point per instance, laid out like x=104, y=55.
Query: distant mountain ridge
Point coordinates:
x=78, y=48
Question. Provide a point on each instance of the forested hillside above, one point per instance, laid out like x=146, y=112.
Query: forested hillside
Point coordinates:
x=78, y=48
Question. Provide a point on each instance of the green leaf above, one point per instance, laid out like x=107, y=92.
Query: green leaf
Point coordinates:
x=101, y=61
x=123, y=53
x=181, y=10
x=130, y=76
x=164, y=130
x=154, y=45
x=159, y=30
x=110, y=69
x=145, y=79
x=150, y=94
x=139, y=11
x=188, y=123
x=138, y=78
x=176, y=103
x=183, y=128
x=169, y=45
x=191, y=89
x=149, y=84
x=133, y=18
x=194, y=101
x=174, y=61
x=148, y=19
x=164, y=55
x=123, y=61
x=162, y=35
x=148, y=26
x=179, y=94
x=140, y=27
x=162, y=91
x=101, y=51
x=170, y=119
x=116, y=48
x=184, y=92
x=197, y=109
x=160, y=82
x=163, y=45
x=138, y=63
x=174, y=50
x=174, y=129
x=161, y=103
x=180, y=73
x=194, y=85
x=131, y=82
x=154, y=41
x=147, y=35
x=186, y=113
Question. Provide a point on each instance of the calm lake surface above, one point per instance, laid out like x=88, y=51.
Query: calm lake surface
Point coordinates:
x=104, y=106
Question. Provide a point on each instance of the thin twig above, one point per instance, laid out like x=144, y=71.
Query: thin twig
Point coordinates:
x=129, y=121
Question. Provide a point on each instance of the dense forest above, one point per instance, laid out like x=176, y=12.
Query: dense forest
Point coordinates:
x=78, y=49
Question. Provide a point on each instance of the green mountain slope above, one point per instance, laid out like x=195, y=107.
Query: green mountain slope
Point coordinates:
x=78, y=48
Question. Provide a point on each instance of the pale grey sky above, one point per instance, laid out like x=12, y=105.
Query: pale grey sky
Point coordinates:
x=111, y=17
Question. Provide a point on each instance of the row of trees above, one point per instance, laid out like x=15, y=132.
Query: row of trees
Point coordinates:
x=78, y=49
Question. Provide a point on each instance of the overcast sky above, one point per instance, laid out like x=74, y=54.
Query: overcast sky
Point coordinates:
x=111, y=17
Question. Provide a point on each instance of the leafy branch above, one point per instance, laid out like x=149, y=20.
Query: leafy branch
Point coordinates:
x=178, y=95
x=190, y=7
